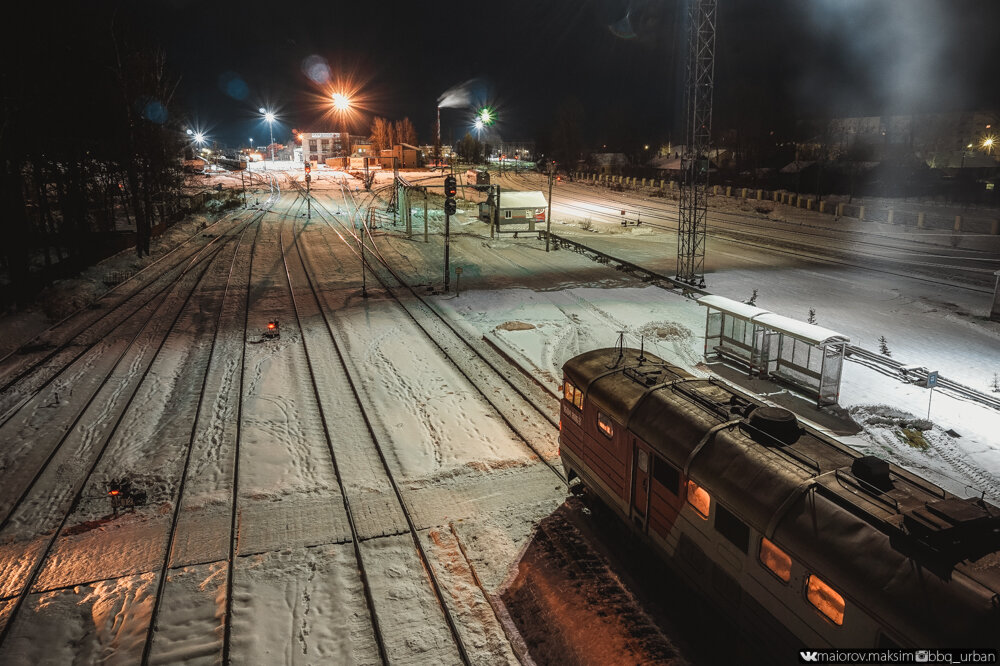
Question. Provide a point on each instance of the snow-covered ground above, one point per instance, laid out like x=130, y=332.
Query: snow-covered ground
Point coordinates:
x=467, y=456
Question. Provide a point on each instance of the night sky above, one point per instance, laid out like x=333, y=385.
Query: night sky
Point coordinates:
x=620, y=62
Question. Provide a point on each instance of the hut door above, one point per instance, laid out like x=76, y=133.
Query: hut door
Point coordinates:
x=640, y=484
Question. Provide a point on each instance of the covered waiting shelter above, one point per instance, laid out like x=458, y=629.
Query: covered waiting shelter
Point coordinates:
x=808, y=356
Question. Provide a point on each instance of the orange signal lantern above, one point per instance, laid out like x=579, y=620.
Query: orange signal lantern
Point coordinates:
x=270, y=325
x=113, y=492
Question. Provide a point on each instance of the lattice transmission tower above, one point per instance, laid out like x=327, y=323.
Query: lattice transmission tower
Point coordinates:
x=698, y=133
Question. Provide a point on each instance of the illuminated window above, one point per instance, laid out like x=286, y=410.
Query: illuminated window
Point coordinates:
x=825, y=599
x=573, y=395
x=776, y=560
x=604, y=423
x=699, y=499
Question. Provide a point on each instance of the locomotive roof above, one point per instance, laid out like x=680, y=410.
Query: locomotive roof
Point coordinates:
x=700, y=426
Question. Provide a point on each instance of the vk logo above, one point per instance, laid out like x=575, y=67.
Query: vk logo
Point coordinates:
x=808, y=656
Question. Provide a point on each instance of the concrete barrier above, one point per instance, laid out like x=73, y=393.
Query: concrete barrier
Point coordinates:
x=890, y=216
x=861, y=213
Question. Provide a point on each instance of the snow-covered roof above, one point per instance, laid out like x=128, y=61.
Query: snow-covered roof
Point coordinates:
x=800, y=330
x=729, y=306
x=522, y=200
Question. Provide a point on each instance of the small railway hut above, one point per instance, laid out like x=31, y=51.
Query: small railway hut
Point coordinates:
x=516, y=211
x=770, y=345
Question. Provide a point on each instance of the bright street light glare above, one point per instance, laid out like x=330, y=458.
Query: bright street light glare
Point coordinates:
x=262, y=110
x=199, y=137
x=269, y=117
x=479, y=123
x=485, y=116
x=341, y=102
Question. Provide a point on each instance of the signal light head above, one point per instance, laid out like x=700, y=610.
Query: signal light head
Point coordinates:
x=450, y=186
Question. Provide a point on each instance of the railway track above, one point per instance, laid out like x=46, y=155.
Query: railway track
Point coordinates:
x=26, y=381
x=390, y=477
x=452, y=344
x=662, y=217
x=89, y=459
x=169, y=546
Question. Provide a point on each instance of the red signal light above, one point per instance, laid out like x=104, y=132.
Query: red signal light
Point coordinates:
x=270, y=325
x=113, y=492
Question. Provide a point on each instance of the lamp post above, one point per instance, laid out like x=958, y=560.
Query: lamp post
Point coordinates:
x=269, y=117
x=341, y=105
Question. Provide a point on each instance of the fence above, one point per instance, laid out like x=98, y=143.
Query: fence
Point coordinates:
x=904, y=216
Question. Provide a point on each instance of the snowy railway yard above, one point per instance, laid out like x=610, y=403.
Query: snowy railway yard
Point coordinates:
x=380, y=483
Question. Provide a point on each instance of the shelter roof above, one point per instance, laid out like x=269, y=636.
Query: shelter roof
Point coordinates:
x=522, y=200
x=800, y=330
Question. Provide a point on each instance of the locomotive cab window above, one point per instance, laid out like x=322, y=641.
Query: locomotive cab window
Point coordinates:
x=825, y=599
x=665, y=474
x=605, y=425
x=775, y=560
x=731, y=527
x=699, y=499
x=573, y=395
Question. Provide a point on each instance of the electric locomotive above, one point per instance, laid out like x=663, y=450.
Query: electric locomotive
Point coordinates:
x=801, y=539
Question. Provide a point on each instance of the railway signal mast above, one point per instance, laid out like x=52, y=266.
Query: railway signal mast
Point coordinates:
x=698, y=131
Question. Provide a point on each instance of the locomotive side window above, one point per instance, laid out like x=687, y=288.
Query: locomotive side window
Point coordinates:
x=665, y=474
x=731, y=527
x=825, y=599
x=699, y=499
x=776, y=560
x=573, y=395
x=605, y=424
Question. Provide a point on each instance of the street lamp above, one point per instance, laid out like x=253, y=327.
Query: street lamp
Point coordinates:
x=269, y=117
x=341, y=102
x=341, y=105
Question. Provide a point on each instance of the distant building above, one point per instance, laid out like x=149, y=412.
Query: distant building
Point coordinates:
x=317, y=147
x=406, y=156
x=609, y=163
x=511, y=150
x=942, y=140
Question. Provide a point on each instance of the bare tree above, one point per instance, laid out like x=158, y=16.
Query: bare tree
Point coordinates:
x=407, y=132
x=381, y=137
